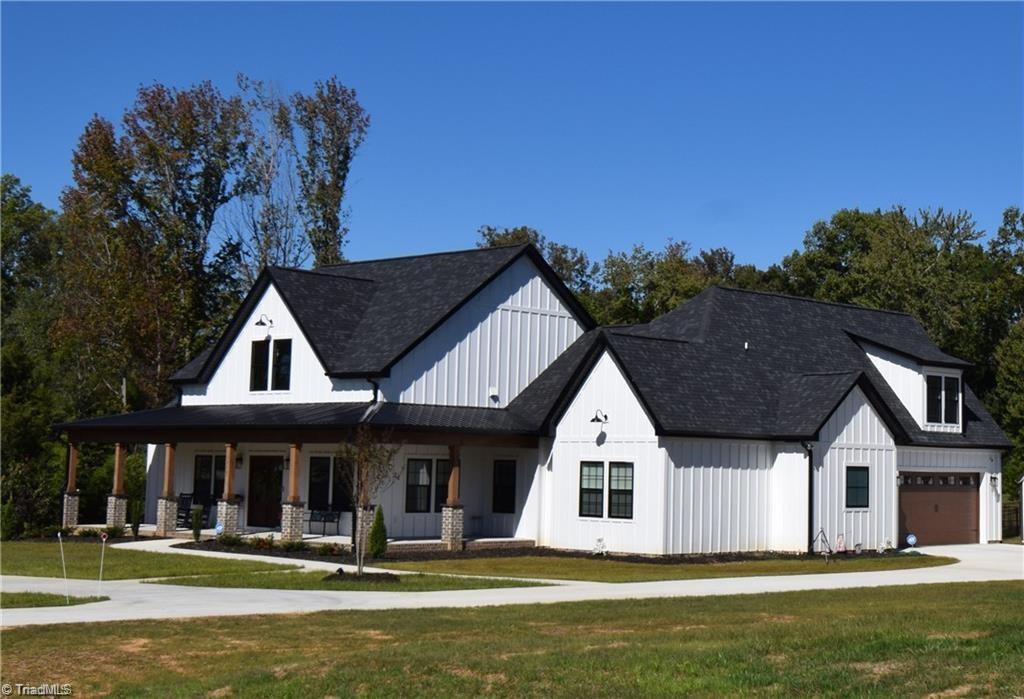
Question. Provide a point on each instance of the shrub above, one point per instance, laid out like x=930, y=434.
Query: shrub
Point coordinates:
x=114, y=532
x=197, y=522
x=378, y=544
x=330, y=550
x=294, y=546
x=89, y=533
x=263, y=543
x=135, y=510
x=230, y=540
x=8, y=520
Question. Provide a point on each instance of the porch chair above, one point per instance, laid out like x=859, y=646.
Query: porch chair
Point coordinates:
x=184, y=519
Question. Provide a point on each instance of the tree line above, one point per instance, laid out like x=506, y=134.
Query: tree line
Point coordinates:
x=173, y=211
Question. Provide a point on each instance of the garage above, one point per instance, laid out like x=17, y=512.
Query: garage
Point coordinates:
x=939, y=508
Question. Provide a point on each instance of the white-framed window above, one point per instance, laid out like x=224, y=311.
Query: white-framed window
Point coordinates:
x=426, y=484
x=942, y=400
x=208, y=478
x=265, y=374
x=858, y=488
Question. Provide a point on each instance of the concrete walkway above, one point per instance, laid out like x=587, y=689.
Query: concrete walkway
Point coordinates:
x=133, y=600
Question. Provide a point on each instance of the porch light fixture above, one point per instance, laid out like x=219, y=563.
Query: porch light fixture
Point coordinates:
x=264, y=321
x=600, y=418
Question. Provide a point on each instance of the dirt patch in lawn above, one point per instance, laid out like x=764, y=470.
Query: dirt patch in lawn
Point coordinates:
x=880, y=669
x=959, y=634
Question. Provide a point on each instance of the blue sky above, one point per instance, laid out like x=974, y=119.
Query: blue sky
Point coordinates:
x=602, y=125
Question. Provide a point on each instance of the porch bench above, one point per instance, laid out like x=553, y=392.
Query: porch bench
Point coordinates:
x=325, y=517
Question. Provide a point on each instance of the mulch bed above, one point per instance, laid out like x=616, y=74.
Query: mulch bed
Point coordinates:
x=395, y=554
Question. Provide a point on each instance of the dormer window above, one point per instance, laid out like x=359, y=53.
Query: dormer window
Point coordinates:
x=942, y=400
x=262, y=373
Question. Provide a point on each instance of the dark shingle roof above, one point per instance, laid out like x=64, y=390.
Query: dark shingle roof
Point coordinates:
x=750, y=364
x=362, y=317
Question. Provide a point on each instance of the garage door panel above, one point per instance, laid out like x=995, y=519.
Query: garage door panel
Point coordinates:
x=939, y=508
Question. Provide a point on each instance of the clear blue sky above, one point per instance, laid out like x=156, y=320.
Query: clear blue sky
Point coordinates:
x=600, y=124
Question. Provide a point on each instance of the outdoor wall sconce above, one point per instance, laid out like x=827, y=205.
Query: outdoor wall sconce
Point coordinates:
x=264, y=321
x=600, y=418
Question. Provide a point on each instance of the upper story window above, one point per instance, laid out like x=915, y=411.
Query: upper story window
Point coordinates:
x=942, y=400
x=262, y=373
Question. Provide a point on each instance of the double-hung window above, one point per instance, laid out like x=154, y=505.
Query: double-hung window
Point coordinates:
x=330, y=484
x=942, y=400
x=417, y=485
x=620, y=490
x=263, y=373
x=443, y=471
x=591, y=489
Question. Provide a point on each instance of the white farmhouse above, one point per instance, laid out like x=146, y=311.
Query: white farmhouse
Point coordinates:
x=741, y=421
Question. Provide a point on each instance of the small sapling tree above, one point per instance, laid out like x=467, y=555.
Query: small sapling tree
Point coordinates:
x=372, y=469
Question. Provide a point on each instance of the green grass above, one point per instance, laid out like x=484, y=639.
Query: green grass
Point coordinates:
x=315, y=581
x=42, y=558
x=610, y=570
x=15, y=600
x=896, y=641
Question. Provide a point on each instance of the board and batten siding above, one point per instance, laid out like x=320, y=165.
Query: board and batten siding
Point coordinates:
x=986, y=462
x=854, y=435
x=720, y=494
x=788, y=504
x=628, y=436
x=503, y=338
x=229, y=384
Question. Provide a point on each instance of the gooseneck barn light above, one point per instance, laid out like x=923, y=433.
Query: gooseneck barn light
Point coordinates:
x=600, y=417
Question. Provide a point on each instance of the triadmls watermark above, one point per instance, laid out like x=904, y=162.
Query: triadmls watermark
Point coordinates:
x=53, y=689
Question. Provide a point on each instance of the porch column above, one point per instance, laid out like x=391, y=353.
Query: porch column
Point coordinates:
x=117, y=503
x=167, y=505
x=292, y=510
x=451, y=512
x=228, y=508
x=70, y=514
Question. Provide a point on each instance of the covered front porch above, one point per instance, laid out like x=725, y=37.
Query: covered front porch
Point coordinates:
x=294, y=481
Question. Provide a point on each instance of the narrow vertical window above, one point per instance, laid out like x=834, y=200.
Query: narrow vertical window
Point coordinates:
x=620, y=490
x=504, y=487
x=591, y=489
x=282, y=365
x=202, y=483
x=444, y=471
x=341, y=486
x=417, y=485
x=319, y=482
x=951, y=395
x=934, y=399
x=218, y=477
x=856, y=486
x=259, y=365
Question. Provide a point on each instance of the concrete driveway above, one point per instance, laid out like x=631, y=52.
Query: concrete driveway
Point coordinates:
x=130, y=599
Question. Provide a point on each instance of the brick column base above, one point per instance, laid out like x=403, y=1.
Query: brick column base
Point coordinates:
x=70, y=515
x=117, y=510
x=451, y=527
x=228, y=512
x=292, y=520
x=166, y=516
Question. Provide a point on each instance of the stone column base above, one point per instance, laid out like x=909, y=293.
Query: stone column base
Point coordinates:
x=70, y=515
x=451, y=527
x=117, y=510
x=166, y=516
x=292, y=520
x=228, y=512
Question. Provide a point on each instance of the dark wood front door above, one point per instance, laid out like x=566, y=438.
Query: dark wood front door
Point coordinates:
x=939, y=508
x=265, y=473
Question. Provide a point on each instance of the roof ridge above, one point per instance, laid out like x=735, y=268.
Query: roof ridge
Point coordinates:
x=830, y=373
x=320, y=274
x=811, y=300
x=426, y=254
x=648, y=337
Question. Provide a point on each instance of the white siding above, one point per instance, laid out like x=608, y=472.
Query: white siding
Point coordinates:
x=907, y=378
x=788, y=503
x=629, y=436
x=229, y=384
x=987, y=463
x=720, y=492
x=855, y=436
x=502, y=338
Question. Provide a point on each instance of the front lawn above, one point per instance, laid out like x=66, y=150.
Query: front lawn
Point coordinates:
x=316, y=581
x=611, y=570
x=16, y=600
x=42, y=558
x=964, y=639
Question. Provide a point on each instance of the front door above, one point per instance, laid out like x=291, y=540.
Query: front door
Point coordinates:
x=265, y=473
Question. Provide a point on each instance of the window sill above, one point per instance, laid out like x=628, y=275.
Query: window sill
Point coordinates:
x=609, y=520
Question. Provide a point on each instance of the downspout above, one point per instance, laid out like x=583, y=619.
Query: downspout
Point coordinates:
x=809, y=450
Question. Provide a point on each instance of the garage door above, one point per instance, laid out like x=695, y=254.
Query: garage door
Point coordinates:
x=939, y=508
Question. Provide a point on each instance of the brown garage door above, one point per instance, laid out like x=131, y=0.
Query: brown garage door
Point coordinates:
x=939, y=508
